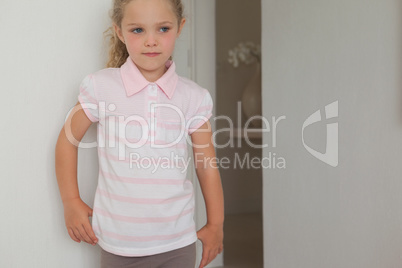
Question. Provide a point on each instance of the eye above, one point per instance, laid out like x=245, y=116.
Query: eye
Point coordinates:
x=136, y=30
x=165, y=29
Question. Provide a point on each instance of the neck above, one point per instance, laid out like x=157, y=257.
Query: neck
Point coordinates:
x=153, y=76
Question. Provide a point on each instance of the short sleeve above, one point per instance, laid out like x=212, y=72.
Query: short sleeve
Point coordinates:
x=202, y=113
x=87, y=98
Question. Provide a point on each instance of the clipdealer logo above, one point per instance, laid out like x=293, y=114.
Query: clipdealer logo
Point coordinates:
x=330, y=156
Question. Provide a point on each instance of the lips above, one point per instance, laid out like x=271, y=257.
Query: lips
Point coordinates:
x=152, y=54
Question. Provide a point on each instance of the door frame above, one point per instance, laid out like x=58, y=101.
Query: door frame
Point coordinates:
x=202, y=59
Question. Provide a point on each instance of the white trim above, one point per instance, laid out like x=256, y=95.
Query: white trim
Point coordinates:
x=203, y=58
x=191, y=56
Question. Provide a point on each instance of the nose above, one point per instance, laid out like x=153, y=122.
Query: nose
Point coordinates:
x=150, y=40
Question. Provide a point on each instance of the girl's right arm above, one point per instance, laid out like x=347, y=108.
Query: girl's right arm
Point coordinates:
x=76, y=212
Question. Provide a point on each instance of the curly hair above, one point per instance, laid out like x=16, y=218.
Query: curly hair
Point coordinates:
x=117, y=49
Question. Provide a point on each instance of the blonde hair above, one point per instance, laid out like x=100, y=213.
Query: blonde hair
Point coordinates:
x=118, y=53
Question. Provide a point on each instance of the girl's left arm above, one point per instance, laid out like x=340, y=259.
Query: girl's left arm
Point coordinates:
x=206, y=166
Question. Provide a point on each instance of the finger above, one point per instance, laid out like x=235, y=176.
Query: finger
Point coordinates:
x=205, y=256
x=211, y=256
x=214, y=255
x=85, y=235
x=90, y=233
x=77, y=235
x=72, y=235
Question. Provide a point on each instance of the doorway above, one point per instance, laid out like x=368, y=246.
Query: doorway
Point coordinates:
x=238, y=22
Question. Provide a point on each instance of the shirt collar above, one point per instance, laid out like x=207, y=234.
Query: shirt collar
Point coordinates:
x=134, y=81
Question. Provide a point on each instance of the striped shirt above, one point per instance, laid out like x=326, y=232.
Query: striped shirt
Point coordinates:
x=143, y=204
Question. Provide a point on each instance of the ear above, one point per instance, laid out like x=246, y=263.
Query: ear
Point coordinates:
x=183, y=21
x=118, y=32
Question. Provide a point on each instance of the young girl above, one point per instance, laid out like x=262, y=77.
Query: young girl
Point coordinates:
x=145, y=115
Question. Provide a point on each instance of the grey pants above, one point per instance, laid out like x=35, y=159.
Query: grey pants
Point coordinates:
x=181, y=257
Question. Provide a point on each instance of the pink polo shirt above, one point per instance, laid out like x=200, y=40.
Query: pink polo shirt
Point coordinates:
x=144, y=204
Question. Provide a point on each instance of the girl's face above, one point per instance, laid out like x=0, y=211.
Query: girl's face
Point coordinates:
x=149, y=26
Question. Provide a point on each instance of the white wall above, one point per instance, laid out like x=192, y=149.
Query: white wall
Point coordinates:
x=315, y=53
x=47, y=48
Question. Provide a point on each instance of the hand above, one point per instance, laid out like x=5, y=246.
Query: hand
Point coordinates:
x=211, y=237
x=76, y=216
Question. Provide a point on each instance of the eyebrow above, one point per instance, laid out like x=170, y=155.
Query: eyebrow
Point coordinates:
x=159, y=23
